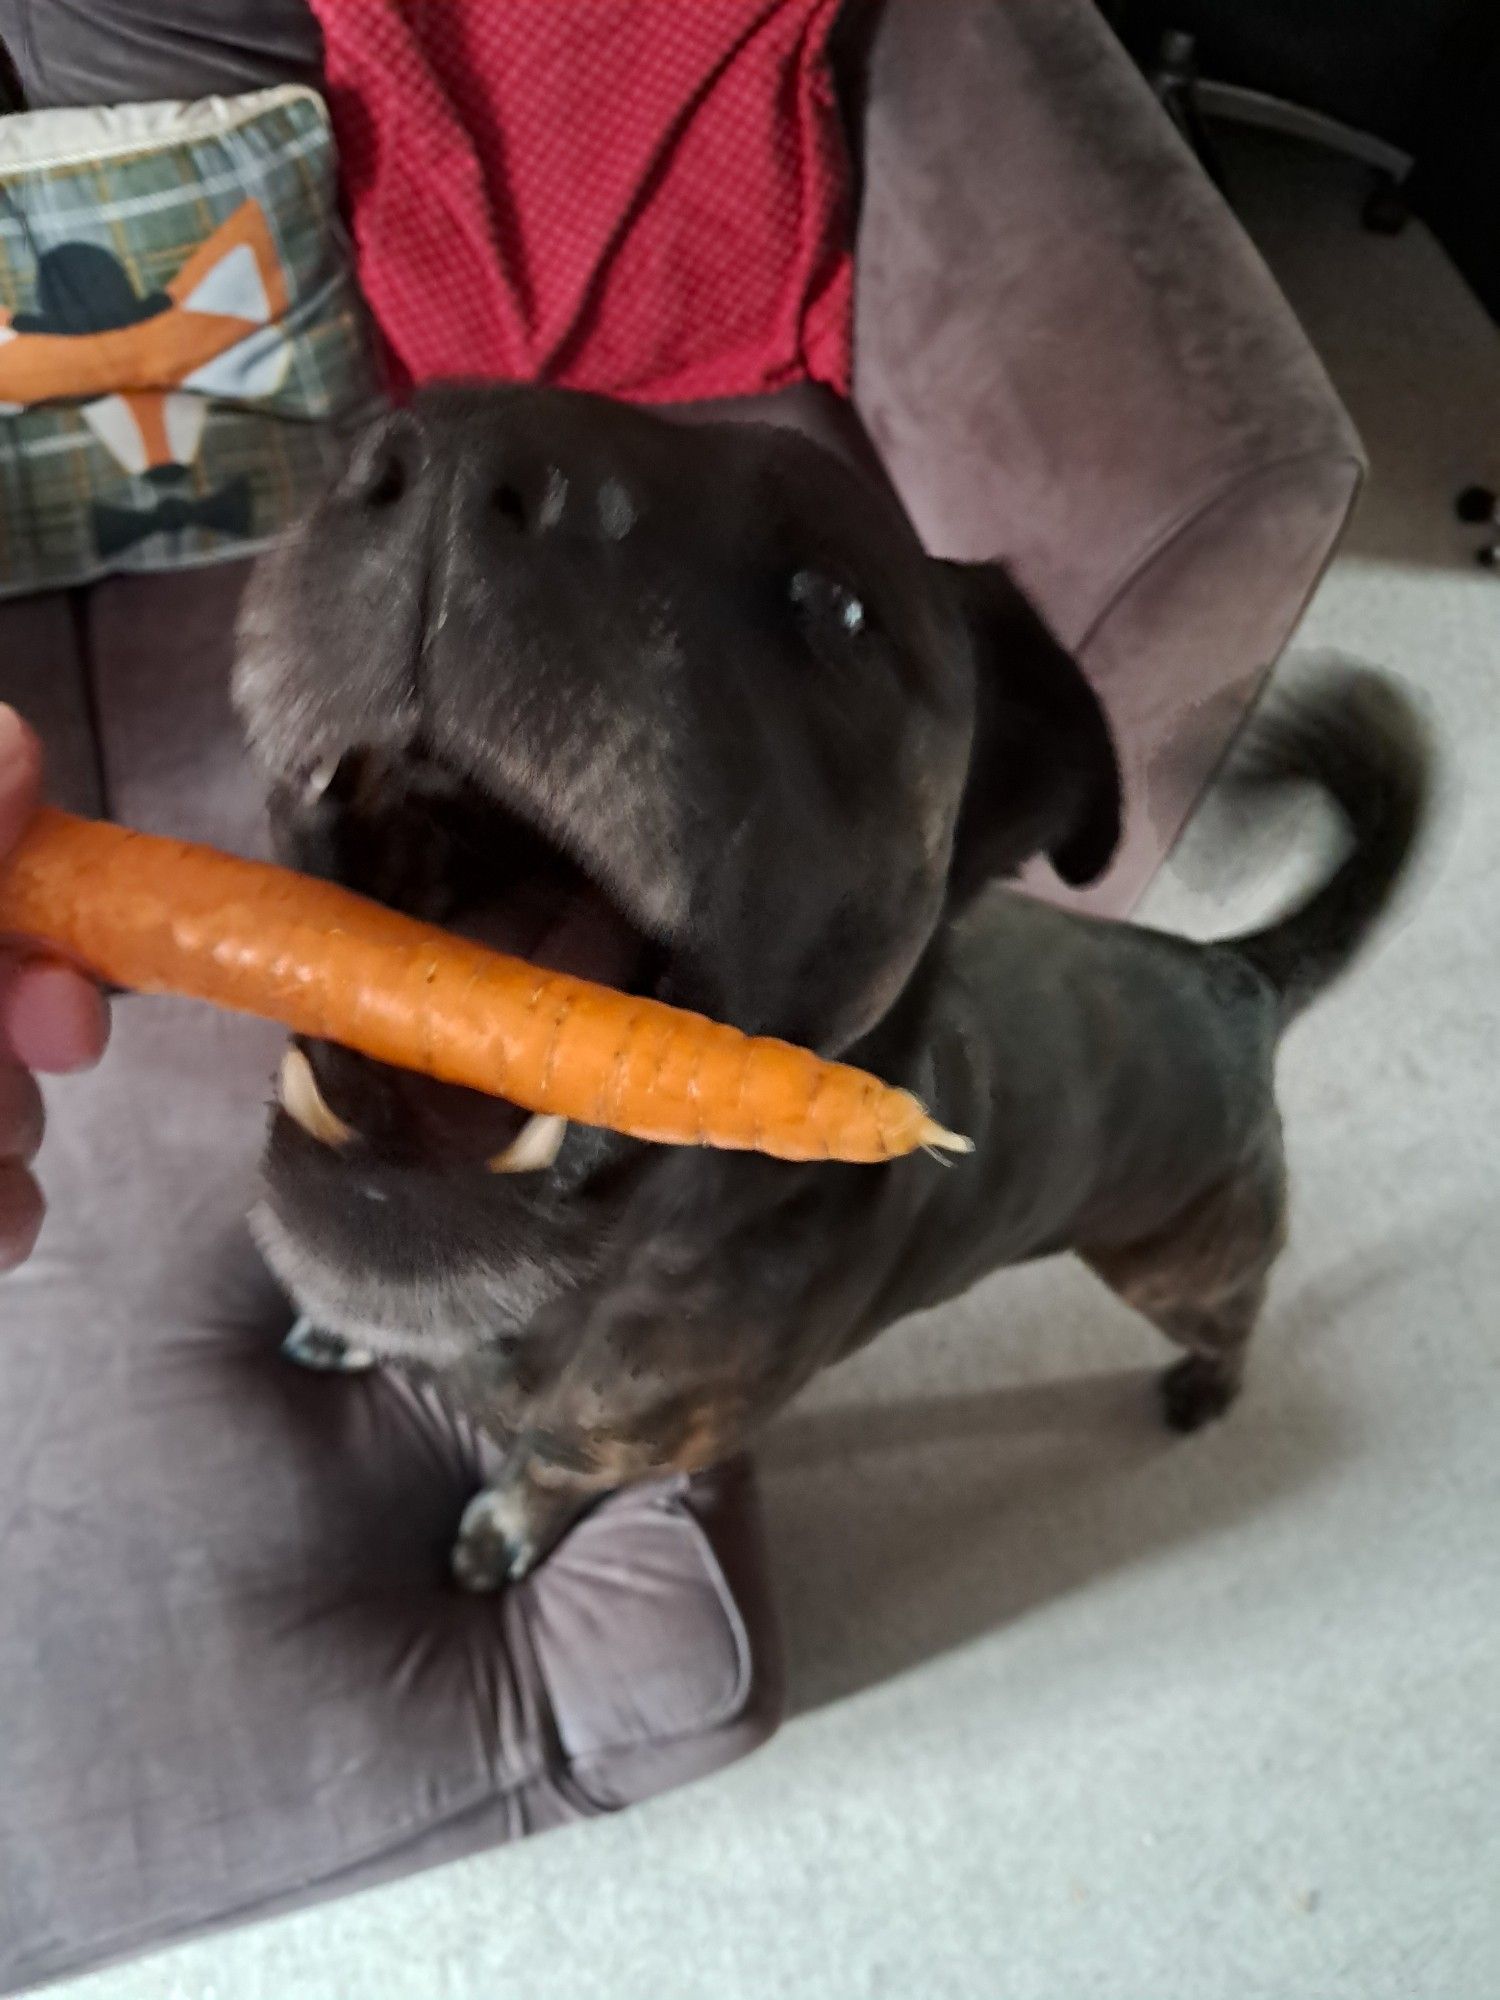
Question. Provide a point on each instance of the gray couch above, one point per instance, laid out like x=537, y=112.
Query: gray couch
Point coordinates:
x=231, y=1675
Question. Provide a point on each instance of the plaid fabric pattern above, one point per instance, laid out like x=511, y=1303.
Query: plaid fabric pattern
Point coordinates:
x=152, y=185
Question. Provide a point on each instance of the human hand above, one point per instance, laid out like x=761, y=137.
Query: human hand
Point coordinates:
x=51, y=1018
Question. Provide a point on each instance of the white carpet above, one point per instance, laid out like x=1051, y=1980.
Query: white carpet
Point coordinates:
x=1085, y=1712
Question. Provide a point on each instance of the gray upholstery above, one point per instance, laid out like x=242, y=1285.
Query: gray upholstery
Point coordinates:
x=1068, y=354
x=132, y=51
x=231, y=1674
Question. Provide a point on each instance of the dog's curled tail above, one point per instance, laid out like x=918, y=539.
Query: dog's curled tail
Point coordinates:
x=1359, y=737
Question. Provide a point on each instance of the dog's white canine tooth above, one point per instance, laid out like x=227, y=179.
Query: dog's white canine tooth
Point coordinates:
x=303, y=1102
x=319, y=778
x=535, y=1146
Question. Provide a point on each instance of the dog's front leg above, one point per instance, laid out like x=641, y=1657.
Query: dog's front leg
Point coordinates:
x=514, y=1524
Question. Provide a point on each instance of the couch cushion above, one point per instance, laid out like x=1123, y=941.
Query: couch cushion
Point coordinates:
x=177, y=320
x=1070, y=356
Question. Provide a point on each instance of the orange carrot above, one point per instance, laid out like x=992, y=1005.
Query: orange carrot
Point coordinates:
x=162, y=916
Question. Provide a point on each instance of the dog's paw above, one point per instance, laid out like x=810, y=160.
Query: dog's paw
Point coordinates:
x=494, y=1545
x=311, y=1347
x=1196, y=1390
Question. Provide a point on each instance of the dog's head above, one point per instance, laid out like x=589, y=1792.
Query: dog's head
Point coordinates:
x=684, y=708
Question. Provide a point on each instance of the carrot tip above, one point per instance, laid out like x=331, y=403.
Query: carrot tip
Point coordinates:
x=937, y=1139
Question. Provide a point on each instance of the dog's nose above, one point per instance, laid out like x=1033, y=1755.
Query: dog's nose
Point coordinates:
x=386, y=464
x=513, y=480
x=401, y=453
x=537, y=486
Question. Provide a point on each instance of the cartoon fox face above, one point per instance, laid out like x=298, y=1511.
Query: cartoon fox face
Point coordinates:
x=142, y=368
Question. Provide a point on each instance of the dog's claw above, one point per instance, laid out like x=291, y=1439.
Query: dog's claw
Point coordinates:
x=1196, y=1390
x=312, y=1347
x=491, y=1549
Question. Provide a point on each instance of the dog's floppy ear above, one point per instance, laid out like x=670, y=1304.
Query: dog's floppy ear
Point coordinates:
x=1042, y=777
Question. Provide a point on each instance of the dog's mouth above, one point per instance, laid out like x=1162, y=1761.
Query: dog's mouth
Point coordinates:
x=410, y=831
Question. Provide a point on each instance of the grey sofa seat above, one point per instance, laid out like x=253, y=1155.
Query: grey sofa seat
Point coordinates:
x=231, y=1675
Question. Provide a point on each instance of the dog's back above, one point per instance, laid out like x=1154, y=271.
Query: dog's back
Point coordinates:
x=1119, y=1082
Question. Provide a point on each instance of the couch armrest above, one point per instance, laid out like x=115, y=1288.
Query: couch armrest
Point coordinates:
x=44, y=673
x=1069, y=355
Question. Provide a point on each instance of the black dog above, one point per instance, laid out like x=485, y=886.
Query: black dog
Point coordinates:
x=689, y=710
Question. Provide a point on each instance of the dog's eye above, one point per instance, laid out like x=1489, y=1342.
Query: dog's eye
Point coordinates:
x=829, y=602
